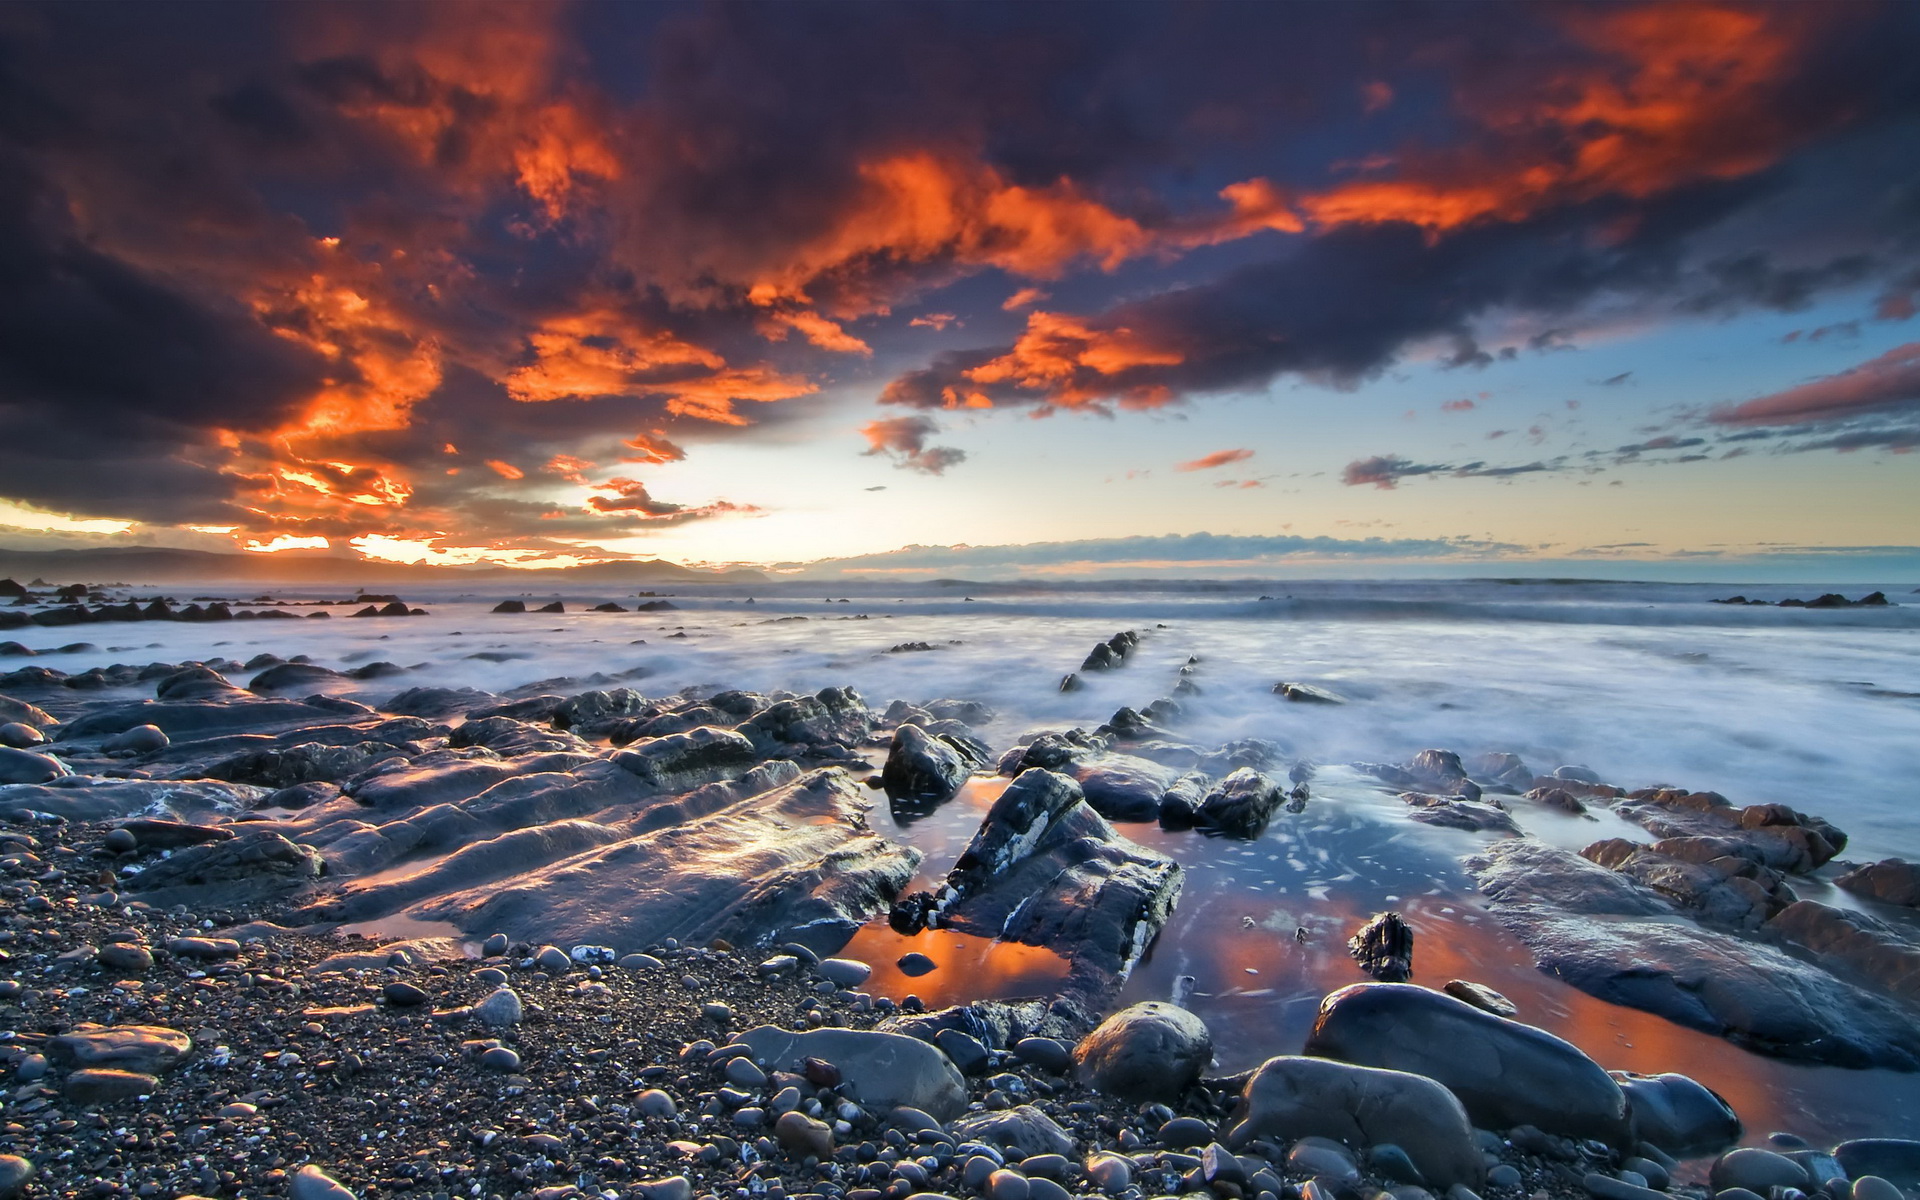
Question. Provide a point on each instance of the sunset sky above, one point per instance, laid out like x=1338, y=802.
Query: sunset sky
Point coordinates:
x=1349, y=287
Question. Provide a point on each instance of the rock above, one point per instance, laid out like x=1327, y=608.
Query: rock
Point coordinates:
x=1678, y=1115
x=32, y=1067
x=305, y=677
x=1148, y=1051
x=125, y=956
x=1049, y=1054
x=1656, y=1175
x=1007, y=1185
x=1757, y=1171
x=1384, y=948
x=1890, y=881
x=1482, y=997
x=311, y=1183
x=145, y=1049
x=965, y=1051
x=1294, y=1097
x=203, y=949
x=1240, y=805
x=251, y=867
x=880, y=1070
x=1323, y=1158
x=500, y=1058
x=914, y=964
x=500, y=1008
x=1867, y=1187
x=108, y=1086
x=1306, y=693
x=655, y=1103
x=845, y=972
x=1894, y=1159
x=1044, y=869
x=14, y=1174
x=402, y=994
x=1564, y=909
x=1121, y=787
x=1111, y=1173
x=674, y=1187
x=1184, y=1133
x=741, y=1072
x=1020, y=1131
x=120, y=841
x=20, y=736
x=1606, y=1187
x=25, y=766
x=1504, y=1073
x=804, y=1136
x=1451, y=812
x=922, y=767
x=553, y=960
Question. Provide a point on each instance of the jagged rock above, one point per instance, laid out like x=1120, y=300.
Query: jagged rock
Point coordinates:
x=1023, y=1132
x=1240, y=805
x=880, y=1070
x=1863, y=946
x=1706, y=876
x=1288, y=1098
x=1566, y=910
x=1051, y=750
x=510, y=606
x=1504, y=1073
x=251, y=866
x=922, y=767
x=1384, y=948
x=1451, y=812
x=1044, y=869
x=1890, y=881
x=1771, y=834
x=828, y=722
x=590, y=714
x=1306, y=693
x=1147, y=1051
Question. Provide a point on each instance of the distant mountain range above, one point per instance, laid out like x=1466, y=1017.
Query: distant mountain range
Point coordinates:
x=160, y=564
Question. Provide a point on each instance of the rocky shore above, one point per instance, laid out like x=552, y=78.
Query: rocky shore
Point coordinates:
x=629, y=979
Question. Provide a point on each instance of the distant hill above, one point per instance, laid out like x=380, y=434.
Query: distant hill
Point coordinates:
x=160, y=564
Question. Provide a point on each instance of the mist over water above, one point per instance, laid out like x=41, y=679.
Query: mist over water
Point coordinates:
x=1645, y=684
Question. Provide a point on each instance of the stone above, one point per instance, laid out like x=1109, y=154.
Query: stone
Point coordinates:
x=311, y=1183
x=674, y=1187
x=1239, y=805
x=1890, y=881
x=1872, y=1187
x=1482, y=997
x=553, y=960
x=844, y=972
x=655, y=1103
x=965, y=1050
x=1504, y=1072
x=203, y=949
x=1678, y=1115
x=1383, y=948
x=914, y=964
x=1322, y=1158
x=501, y=1007
x=1147, y=1051
x=1022, y=1131
x=741, y=1072
x=402, y=994
x=500, y=1058
x=1183, y=1133
x=20, y=736
x=32, y=1067
x=1291, y=1097
x=1756, y=1170
x=1896, y=1160
x=1007, y=1185
x=125, y=956
x=15, y=1171
x=880, y=1070
x=144, y=1049
x=804, y=1136
x=108, y=1086
x=923, y=767
x=1506, y=1175
x=1049, y=1054
x=1606, y=1187
x=25, y=766
x=120, y=841
x=1111, y=1173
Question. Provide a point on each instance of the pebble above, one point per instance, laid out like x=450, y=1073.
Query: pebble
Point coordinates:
x=500, y=1058
x=121, y=841
x=1872, y=1187
x=493, y=976
x=750, y=1117
x=641, y=962
x=804, y=1136
x=14, y=1173
x=495, y=945
x=744, y=1072
x=1656, y=1175
x=1111, y=1173
x=1048, y=1054
x=913, y=964
x=1606, y=1187
x=501, y=1007
x=1756, y=1170
x=402, y=994
x=716, y=1012
x=553, y=960
x=779, y=964
x=106, y=1086
x=1322, y=1158
x=1392, y=1163
x=311, y=1183
x=1006, y=1184
x=1182, y=1132
x=32, y=1067
x=237, y=1112
x=846, y=972
x=674, y=1187
x=1504, y=1176
x=655, y=1103
x=1046, y=1189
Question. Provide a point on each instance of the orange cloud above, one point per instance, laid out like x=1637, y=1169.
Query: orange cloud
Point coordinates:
x=655, y=447
x=506, y=470
x=828, y=335
x=1219, y=458
x=1076, y=364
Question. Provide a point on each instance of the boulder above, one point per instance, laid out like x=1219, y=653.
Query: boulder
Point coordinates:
x=1121, y=787
x=1863, y=946
x=879, y=1070
x=252, y=866
x=20, y=736
x=1890, y=881
x=108, y=1086
x=1451, y=812
x=141, y=739
x=1504, y=1072
x=1019, y=1132
x=827, y=723
x=1044, y=869
x=922, y=767
x=25, y=766
x=1896, y=1160
x=286, y=677
x=146, y=1049
x=1288, y=1098
x=1147, y=1051
x=1678, y=1115
x=1758, y=1171
x=1240, y=805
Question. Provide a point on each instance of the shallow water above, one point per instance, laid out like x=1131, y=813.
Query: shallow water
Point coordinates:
x=1643, y=683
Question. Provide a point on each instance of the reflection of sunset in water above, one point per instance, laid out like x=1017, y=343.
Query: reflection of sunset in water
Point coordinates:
x=968, y=967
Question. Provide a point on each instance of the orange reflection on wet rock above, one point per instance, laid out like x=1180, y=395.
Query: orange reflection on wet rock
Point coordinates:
x=967, y=968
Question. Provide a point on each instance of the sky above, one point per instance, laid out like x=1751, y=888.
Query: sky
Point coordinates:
x=1340, y=287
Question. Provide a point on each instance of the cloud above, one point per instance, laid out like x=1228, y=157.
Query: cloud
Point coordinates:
x=1385, y=471
x=905, y=439
x=1887, y=383
x=630, y=497
x=1457, y=406
x=1219, y=458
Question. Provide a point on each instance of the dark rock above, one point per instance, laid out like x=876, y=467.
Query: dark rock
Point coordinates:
x=25, y=766
x=1482, y=997
x=1678, y=1115
x=1384, y=948
x=249, y=867
x=1239, y=805
x=1306, y=693
x=1022, y=1131
x=1505, y=1073
x=141, y=739
x=1896, y=1160
x=145, y=1049
x=922, y=767
x=108, y=1086
x=1890, y=881
x=1756, y=1170
x=1147, y=1051
x=1862, y=946
x=290, y=676
x=402, y=994
x=915, y=964
x=1289, y=1098
x=510, y=606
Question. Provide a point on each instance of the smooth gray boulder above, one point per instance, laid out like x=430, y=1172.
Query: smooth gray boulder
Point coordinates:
x=879, y=1070
x=29, y=767
x=1896, y=1160
x=1293, y=1097
x=1504, y=1072
x=1757, y=1170
x=146, y=1049
x=1021, y=1132
x=1680, y=1116
x=1147, y=1051
x=141, y=739
x=19, y=735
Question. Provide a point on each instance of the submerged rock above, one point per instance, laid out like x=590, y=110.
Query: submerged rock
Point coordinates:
x=1292, y=1097
x=1890, y=881
x=1505, y=1073
x=880, y=1070
x=921, y=766
x=1384, y=948
x=1240, y=805
x=1678, y=1115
